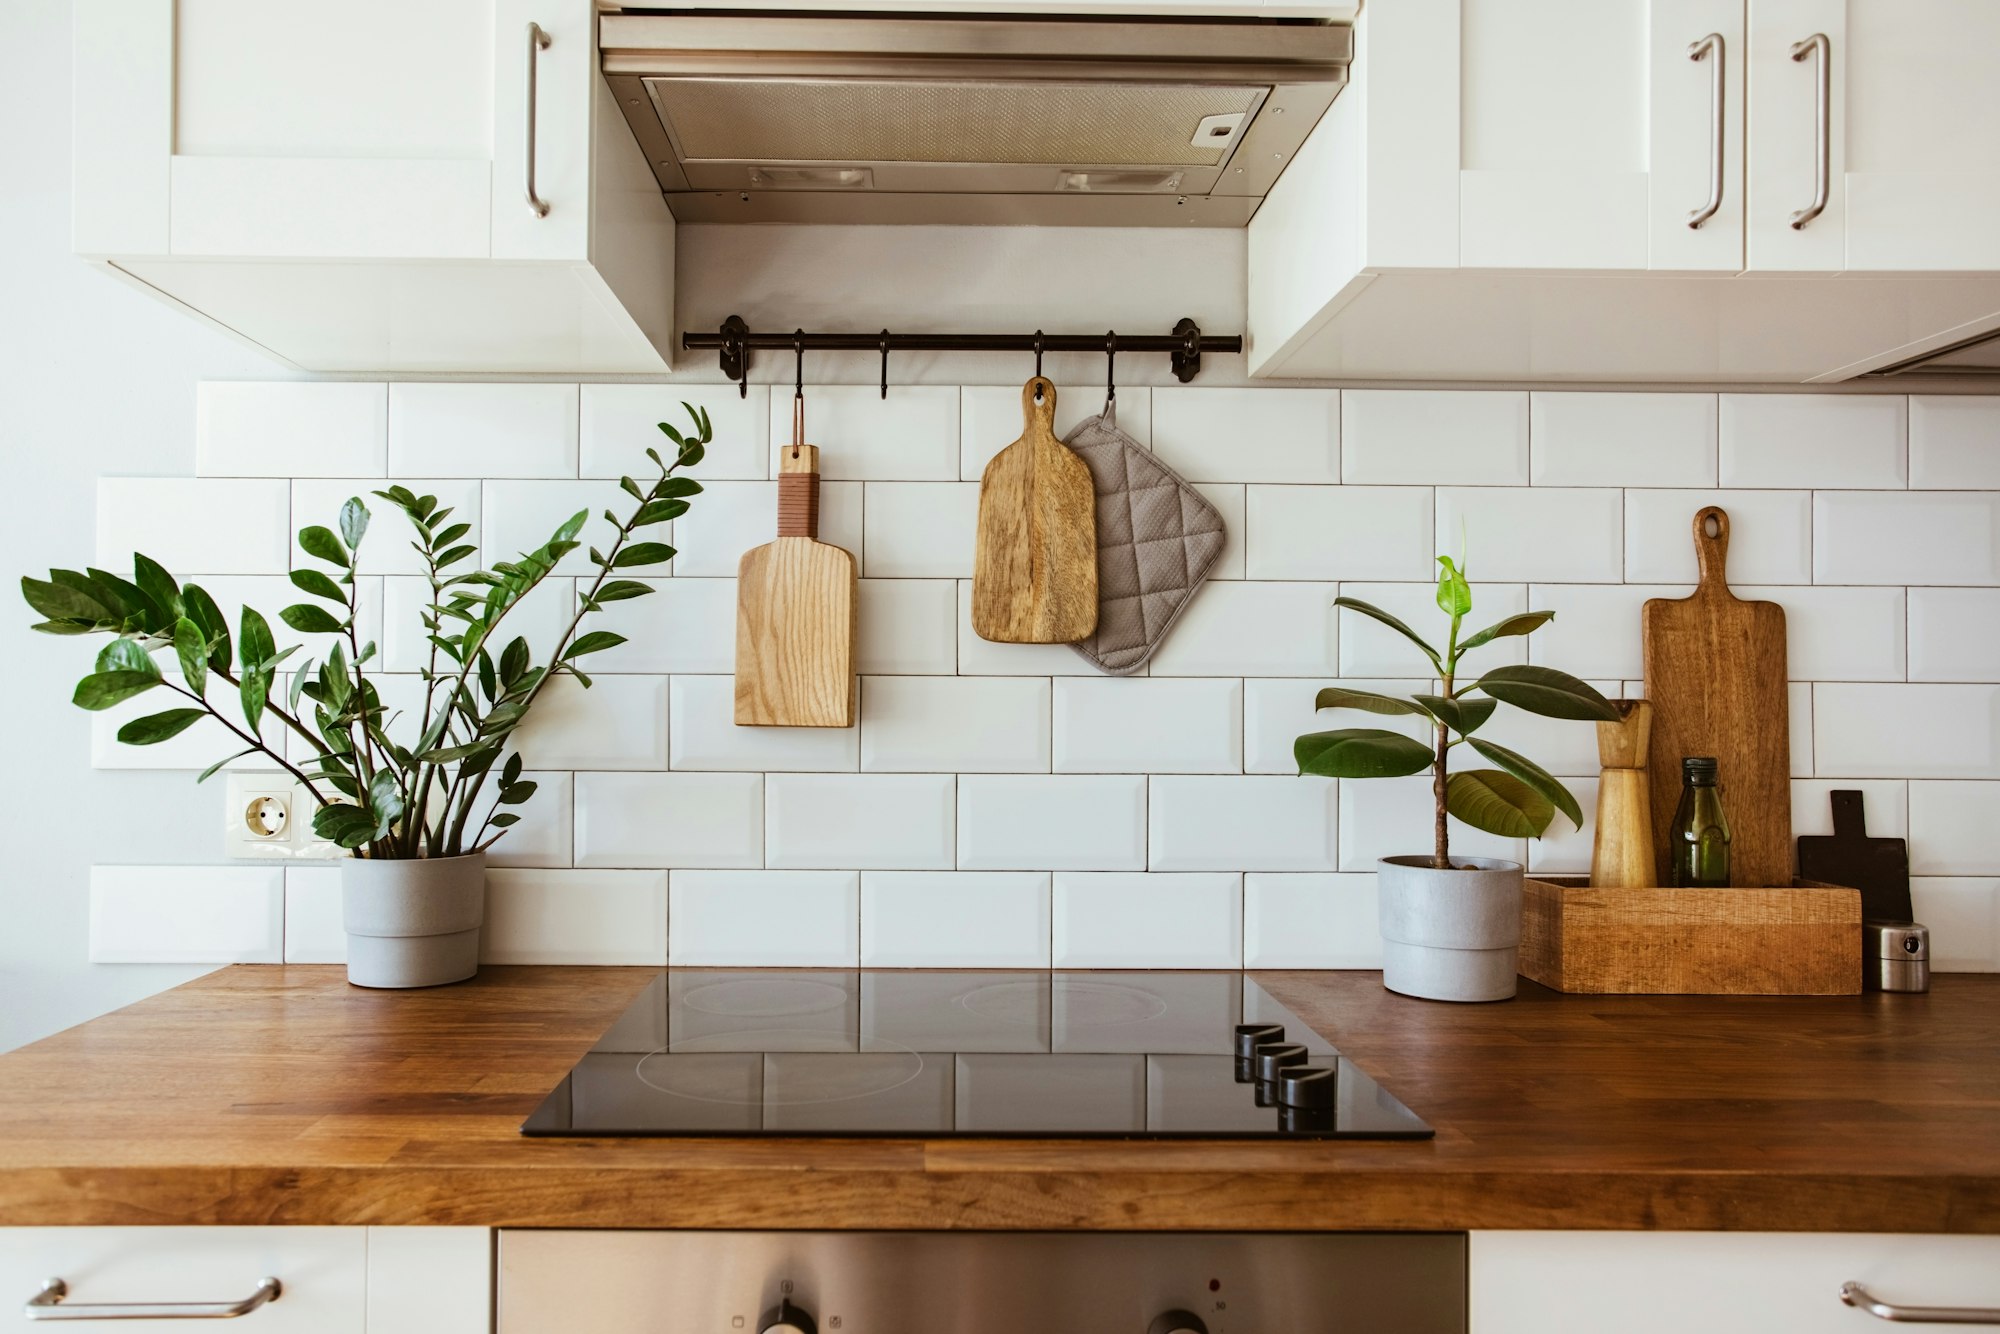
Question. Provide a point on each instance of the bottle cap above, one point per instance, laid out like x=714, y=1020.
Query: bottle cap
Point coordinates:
x=1698, y=766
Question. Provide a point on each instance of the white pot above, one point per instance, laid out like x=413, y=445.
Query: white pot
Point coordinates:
x=1450, y=935
x=415, y=922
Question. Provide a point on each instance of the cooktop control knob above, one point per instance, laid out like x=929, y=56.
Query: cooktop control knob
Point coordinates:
x=1177, y=1322
x=787, y=1319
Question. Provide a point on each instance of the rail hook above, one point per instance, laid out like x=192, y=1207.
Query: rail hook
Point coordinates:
x=885, y=363
x=798, y=390
x=1110, y=368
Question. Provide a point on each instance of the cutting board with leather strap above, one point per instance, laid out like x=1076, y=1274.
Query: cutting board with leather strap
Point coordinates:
x=1034, y=565
x=1878, y=867
x=795, y=614
x=1715, y=673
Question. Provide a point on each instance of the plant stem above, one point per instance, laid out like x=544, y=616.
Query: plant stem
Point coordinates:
x=255, y=741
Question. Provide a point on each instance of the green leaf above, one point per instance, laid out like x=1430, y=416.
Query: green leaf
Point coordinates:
x=127, y=655
x=255, y=692
x=1497, y=803
x=157, y=584
x=157, y=727
x=191, y=647
x=671, y=487
x=659, y=511
x=386, y=798
x=102, y=690
x=594, y=642
x=134, y=602
x=505, y=820
x=571, y=527
x=317, y=584
x=256, y=642
x=308, y=619
x=213, y=769
x=617, y=590
x=1520, y=624
x=1370, y=610
x=1454, y=595
x=344, y=825
x=1361, y=752
x=1460, y=715
x=445, y=537
x=510, y=772
x=513, y=794
x=319, y=541
x=691, y=454
x=201, y=609
x=1340, y=697
x=1534, y=775
x=1548, y=692
x=59, y=603
x=353, y=522
x=642, y=553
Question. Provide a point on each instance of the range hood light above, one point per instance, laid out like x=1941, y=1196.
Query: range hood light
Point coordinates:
x=1119, y=182
x=812, y=178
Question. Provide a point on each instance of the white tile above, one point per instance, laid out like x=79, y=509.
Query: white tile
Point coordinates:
x=540, y=618
x=1419, y=436
x=955, y=919
x=1814, y=440
x=910, y=436
x=772, y=919
x=1228, y=499
x=906, y=627
x=1252, y=629
x=245, y=428
x=1059, y=822
x=1276, y=712
x=187, y=914
x=194, y=526
x=1138, y=920
x=483, y=430
x=1135, y=726
x=544, y=837
x=1838, y=634
x=1338, y=532
x=920, y=530
x=1543, y=534
x=1369, y=648
x=1240, y=823
x=669, y=819
x=1884, y=801
x=683, y=625
x=1906, y=731
x=1600, y=439
x=1952, y=829
x=1564, y=849
x=1954, y=634
x=518, y=517
x=703, y=734
x=990, y=418
x=195, y=749
x=1964, y=918
x=1310, y=921
x=1770, y=535
x=954, y=724
x=314, y=929
x=1914, y=537
x=891, y=822
x=1395, y=817
x=620, y=422
x=730, y=518
x=575, y=917
x=1952, y=440
x=619, y=723
x=1563, y=746
x=983, y=657
x=1798, y=716
x=387, y=547
x=1249, y=435
x=1598, y=629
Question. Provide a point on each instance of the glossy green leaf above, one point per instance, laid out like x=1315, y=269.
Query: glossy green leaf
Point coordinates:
x=1534, y=775
x=1520, y=624
x=344, y=825
x=642, y=553
x=102, y=690
x=157, y=727
x=513, y=662
x=59, y=603
x=1548, y=692
x=157, y=584
x=353, y=522
x=617, y=590
x=1460, y=715
x=691, y=454
x=137, y=605
x=319, y=541
x=317, y=584
x=308, y=619
x=255, y=641
x=201, y=609
x=505, y=819
x=1340, y=697
x=1497, y=803
x=670, y=487
x=191, y=647
x=127, y=655
x=1454, y=595
x=1361, y=752
x=594, y=642
x=513, y=794
x=1375, y=612
x=658, y=511
x=216, y=768
x=570, y=527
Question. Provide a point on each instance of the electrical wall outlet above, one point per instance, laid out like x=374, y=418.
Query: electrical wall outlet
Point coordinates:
x=269, y=814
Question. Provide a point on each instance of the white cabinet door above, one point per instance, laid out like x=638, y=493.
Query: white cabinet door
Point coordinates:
x=1786, y=130
x=565, y=76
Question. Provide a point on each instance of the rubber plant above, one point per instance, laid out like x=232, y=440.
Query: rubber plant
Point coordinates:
x=388, y=785
x=1516, y=799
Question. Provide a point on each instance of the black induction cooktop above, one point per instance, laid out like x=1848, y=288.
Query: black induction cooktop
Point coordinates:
x=967, y=1054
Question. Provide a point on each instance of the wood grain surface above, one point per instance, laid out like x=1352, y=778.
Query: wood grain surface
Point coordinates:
x=282, y=1095
x=795, y=611
x=1034, y=565
x=1621, y=851
x=1715, y=672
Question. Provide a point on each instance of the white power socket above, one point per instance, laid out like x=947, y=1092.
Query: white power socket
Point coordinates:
x=269, y=814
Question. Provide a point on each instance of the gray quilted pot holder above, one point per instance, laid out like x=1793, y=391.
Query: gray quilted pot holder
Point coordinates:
x=1157, y=537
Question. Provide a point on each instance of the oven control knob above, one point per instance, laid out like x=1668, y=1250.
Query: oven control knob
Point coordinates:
x=1177, y=1322
x=787, y=1319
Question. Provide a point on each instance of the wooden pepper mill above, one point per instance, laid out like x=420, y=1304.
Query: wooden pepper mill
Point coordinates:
x=1622, y=856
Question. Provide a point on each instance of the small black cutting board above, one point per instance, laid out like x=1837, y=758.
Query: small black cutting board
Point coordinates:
x=1878, y=867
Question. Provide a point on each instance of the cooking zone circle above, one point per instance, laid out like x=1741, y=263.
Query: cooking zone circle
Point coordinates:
x=849, y=1075
x=762, y=999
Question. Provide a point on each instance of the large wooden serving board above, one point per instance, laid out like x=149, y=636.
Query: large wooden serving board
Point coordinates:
x=1715, y=673
x=1034, y=564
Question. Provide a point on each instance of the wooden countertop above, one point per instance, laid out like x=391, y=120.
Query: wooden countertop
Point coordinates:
x=281, y=1095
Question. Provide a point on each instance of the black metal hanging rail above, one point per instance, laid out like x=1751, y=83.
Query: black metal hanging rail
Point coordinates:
x=735, y=341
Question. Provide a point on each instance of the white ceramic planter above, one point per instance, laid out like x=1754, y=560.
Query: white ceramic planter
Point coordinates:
x=1450, y=935
x=413, y=923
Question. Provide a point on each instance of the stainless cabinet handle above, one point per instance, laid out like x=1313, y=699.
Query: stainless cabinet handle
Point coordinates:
x=1708, y=44
x=1857, y=1296
x=538, y=42
x=48, y=1305
x=1822, y=122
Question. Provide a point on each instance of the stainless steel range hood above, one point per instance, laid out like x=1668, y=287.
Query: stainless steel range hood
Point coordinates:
x=920, y=118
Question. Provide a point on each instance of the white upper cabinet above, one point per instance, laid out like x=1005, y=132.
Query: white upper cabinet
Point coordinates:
x=349, y=186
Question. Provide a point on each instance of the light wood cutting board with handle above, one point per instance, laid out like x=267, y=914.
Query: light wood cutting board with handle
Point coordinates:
x=795, y=614
x=1034, y=566
x=1715, y=673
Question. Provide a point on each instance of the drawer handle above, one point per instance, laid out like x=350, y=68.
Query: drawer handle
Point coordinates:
x=1857, y=1296
x=538, y=41
x=48, y=1305
x=1818, y=46
x=1707, y=45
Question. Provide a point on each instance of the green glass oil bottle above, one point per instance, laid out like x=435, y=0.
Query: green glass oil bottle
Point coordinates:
x=1699, y=841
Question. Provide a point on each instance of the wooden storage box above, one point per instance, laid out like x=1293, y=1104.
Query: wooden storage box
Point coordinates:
x=1801, y=941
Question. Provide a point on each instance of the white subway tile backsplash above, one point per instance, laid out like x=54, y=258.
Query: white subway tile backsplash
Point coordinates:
x=1914, y=537
x=1906, y=731
x=920, y=530
x=1814, y=440
x=1770, y=536
x=1597, y=629
x=544, y=838
x=1276, y=712
x=482, y=430
x=1544, y=535
x=195, y=749
x=1964, y=918
x=1614, y=439
x=519, y=516
x=575, y=917
x=1310, y=921
x=1952, y=829
x=314, y=928
x=1241, y=823
x=1338, y=532
x=1952, y=440
x=1248, y=435
x=1270, y=629
x=1954, y=634
x=619, y=723
x=620, y=422
x=1229, y=502
x=1885, y=805
x=387, y=549
x=983, y=657
x=1799, y=718
x=703, y=734
x=729, y=518
x=906, y=627
x=1394, y=817
x=1063, y=822
x=247, y=428
x=1838, y=634
x=1563, y=848
x=910, y=436
x=706, y=820
x=187, y=914
x=1162, y=725
x=784, y=919
x=954, y=724
x=1421, y=436
x=683, y=625
x=890, y=822
x=1370, y=649
x=990, y=418
x=195, y=526
x=955, y=919
x=1141, y=920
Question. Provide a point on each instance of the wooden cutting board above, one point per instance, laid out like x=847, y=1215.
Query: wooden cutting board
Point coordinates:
x=1715, y=673
x=1878, y=867
x=1034, y=566
x=795, y=614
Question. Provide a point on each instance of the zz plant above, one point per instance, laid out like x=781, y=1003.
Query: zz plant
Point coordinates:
x=424, y=795
x=1519, y=798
